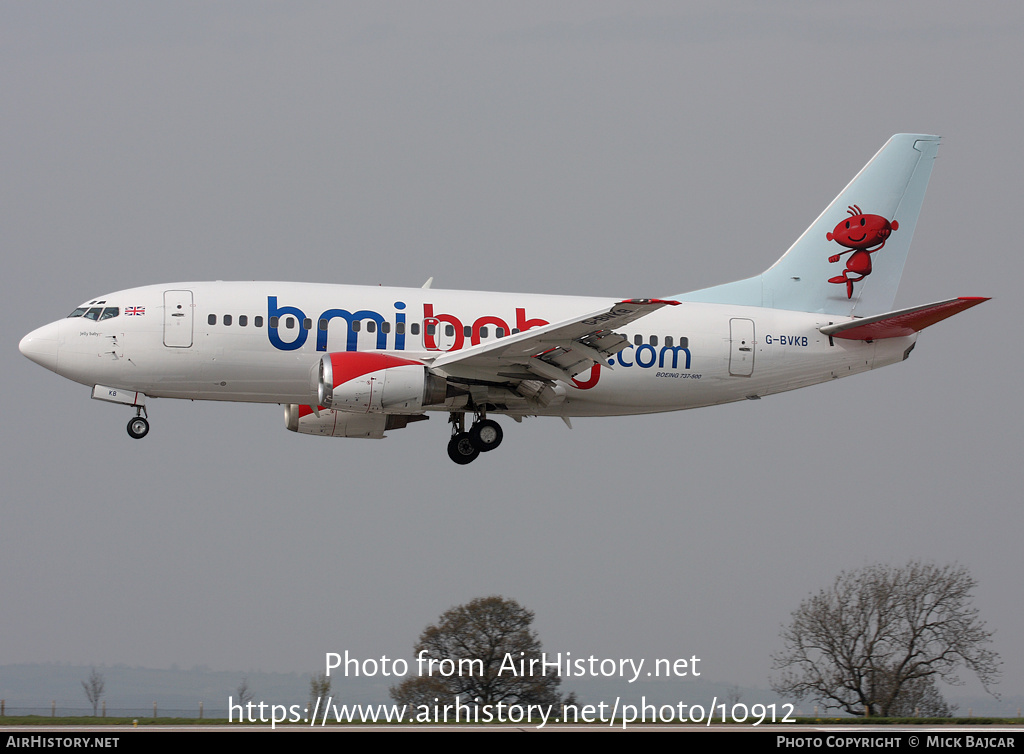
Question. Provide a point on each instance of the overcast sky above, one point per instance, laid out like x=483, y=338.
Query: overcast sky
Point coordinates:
x=595, y=148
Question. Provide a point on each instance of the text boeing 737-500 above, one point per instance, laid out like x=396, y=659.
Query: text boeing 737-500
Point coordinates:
x=354, y=361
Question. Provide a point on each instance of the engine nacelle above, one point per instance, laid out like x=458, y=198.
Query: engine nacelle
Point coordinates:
x=329, y=423
x=374, y=383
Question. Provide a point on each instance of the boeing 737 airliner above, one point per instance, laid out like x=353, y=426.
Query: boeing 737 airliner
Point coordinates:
x=354, y=361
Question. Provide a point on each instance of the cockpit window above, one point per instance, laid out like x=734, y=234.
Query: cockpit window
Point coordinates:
x=96, y=313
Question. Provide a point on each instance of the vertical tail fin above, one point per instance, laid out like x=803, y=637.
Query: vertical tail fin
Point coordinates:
x=852, y=256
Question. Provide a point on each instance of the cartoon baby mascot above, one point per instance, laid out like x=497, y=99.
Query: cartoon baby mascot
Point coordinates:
x=858, y=234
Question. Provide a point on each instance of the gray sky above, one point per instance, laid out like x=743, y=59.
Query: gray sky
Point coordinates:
x=604, y=148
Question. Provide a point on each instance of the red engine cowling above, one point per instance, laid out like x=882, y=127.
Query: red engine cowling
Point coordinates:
x=374, y=383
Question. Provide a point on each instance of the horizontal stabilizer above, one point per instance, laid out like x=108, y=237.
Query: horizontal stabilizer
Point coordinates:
x=902, y=323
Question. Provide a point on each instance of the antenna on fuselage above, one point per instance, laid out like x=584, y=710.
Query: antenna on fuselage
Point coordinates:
x=430, y=281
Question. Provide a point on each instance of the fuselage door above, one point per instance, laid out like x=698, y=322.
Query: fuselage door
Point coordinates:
x=178, y=308
x=441, y=336
x=741, y=351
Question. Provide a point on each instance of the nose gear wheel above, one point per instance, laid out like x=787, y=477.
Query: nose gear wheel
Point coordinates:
x=138, y=426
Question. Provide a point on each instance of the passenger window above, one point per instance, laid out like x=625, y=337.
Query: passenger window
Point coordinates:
x=385, y=327
x=415, y=328
x=258, y=322
x=109, y=313
x=323, y=324
x=467, y=331
x=483, y=332
x=654, y=340
x=307, y=324
x=684, y=342
x=227, y=319
x=431, y=329
x=212, y=319
x=400, y=328
x=242, y=320
x=355, y=325
x=499, y=331
x=449, y=331
x=274, y=321
x=638, y=340
x=289, y=322
x=371, y=326
x=668, y=341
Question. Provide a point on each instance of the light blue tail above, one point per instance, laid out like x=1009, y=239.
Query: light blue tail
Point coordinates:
x=851, y=258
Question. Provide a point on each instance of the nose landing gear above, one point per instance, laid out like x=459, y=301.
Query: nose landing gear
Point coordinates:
x=138, y=426
x=483, y=435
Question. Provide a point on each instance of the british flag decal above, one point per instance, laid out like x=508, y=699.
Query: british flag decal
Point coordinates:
x=134, y=310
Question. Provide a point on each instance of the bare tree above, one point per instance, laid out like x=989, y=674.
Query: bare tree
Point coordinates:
x=244, y=691
x=319, y=692
x=94, y=689
x=486, y=634
x=882, y=634
x=920, y=697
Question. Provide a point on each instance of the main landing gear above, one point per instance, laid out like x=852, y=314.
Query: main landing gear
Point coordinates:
x=138, y=427
x=484, y=435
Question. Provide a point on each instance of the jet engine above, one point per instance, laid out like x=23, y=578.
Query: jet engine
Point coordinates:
x=329, y=423
x=373, y=383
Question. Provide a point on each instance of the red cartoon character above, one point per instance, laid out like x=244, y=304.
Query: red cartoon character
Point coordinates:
x=859, y=234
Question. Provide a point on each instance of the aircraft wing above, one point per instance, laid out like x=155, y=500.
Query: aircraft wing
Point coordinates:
x=556, y=352
x=901, y=323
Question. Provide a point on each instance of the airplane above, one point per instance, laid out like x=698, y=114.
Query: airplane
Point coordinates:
x=360, y=361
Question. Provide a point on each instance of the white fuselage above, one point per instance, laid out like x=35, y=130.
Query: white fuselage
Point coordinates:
x=262, y=341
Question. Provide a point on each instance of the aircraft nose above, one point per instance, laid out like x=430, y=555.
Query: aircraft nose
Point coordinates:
x=41, y=346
